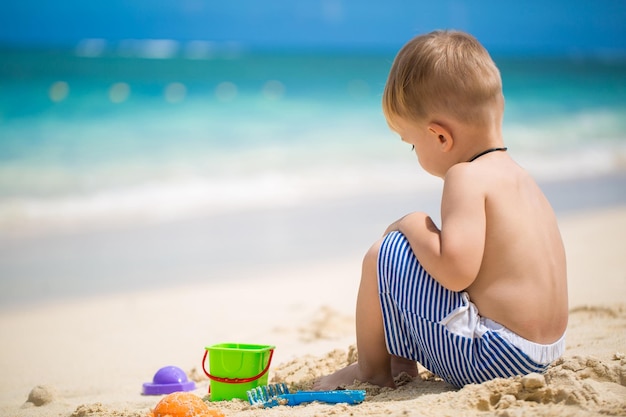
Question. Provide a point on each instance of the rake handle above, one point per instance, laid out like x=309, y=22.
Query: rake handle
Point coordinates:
x=328, y=397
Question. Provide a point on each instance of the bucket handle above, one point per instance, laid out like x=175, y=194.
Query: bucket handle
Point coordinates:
x=236, y=380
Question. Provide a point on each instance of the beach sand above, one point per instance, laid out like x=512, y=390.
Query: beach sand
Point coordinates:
x=89, y=356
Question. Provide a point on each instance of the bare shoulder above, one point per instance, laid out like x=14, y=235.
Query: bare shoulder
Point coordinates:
x=503, y=165
x=465, y=173
x=511, y=193
x=494, y=175
x=508, y=190
x=469, y=178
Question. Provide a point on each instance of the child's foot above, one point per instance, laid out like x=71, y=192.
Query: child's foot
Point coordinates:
x=344, y=376
x=347, y=376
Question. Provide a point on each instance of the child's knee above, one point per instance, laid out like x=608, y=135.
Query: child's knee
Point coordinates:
x=371, y=257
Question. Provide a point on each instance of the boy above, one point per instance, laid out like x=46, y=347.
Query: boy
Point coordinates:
x=485, y=296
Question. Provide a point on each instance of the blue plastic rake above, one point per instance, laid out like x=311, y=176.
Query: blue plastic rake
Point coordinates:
x=278, y=394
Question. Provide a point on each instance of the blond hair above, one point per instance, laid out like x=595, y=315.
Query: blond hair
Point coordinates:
x=442, y=73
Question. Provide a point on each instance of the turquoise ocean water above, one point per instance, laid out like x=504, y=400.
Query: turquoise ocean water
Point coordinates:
x=90, y=140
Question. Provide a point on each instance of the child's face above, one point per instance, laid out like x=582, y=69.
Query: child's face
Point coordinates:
x=424, y=142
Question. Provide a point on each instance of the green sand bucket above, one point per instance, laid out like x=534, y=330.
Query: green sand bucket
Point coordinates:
x=236, y=368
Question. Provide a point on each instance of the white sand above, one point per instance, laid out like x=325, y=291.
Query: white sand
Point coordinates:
x=91, y=356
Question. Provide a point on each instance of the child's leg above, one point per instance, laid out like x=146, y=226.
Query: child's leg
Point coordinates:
x=375, y=362
x=400, y=364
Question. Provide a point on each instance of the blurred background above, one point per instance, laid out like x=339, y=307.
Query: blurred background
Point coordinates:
x=151, y=142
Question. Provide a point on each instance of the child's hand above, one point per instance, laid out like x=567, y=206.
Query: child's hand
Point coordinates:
x=411, y=220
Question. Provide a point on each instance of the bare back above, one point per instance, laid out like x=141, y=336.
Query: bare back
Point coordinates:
x=522, y=280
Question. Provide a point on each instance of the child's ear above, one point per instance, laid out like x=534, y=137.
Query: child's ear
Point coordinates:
x=443, y=134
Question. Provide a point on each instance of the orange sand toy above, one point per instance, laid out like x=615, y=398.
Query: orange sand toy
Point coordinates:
x=183, y=404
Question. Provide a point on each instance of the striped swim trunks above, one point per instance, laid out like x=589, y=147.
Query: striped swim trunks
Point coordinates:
x=442, y=330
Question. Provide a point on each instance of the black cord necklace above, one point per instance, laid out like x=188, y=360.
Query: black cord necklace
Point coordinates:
x=473, y=158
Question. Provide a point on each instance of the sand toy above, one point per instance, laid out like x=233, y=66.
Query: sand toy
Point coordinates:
x=167, y=380
x=278, y=394
x=184, y=404
x=236, y=368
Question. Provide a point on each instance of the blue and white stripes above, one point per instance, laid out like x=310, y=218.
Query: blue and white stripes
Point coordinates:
x=414, y=306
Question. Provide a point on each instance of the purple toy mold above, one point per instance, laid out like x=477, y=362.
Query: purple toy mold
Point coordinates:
x=167, y=380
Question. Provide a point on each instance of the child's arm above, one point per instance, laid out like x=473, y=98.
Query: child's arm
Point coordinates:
x=452, y=255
